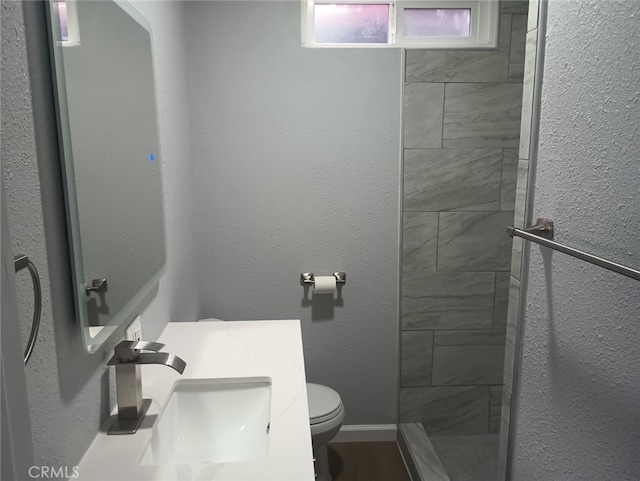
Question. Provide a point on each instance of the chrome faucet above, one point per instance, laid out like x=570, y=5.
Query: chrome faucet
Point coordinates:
x=127, y=360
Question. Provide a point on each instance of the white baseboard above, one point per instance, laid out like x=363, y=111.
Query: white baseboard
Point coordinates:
x=362, y=433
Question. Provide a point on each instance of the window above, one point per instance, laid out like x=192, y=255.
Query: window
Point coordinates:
x=66, y=11
x=351, y=23
x=435, y=24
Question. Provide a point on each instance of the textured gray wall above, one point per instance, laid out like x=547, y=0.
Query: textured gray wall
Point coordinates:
x=577, y=414
x=297, y=162
x=69, y=390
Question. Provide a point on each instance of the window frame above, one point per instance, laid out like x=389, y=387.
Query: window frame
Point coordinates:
x=485, y=17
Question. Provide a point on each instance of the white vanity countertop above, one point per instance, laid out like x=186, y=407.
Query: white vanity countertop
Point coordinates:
x=220, y=350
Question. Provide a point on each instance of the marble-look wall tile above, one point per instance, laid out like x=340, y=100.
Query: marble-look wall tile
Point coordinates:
x=521, y=193
x=514, y=6
x=419, y=241
x=519, y=217
x=501, y=300
x=465, y=358
x=527, y=93
x=503, y=444
x=423, y=115
x=416, y=357
x=532, y=23
x=509, y=179
x=432, y=300
x=516, y=257
x=511, y=333
x=462, y=65
x=516, y=57
x=447, y=410
x=482, y=115
x=449, y=173
x=452, y=179
x=495, y=407
x=474, y=241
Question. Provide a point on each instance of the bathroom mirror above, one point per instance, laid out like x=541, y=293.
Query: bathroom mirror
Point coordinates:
x=108, y=130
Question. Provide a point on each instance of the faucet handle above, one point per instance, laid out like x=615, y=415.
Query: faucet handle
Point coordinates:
x=126, y=351
x=145, y=345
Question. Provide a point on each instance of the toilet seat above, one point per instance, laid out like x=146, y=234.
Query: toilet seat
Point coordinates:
x=324, y=403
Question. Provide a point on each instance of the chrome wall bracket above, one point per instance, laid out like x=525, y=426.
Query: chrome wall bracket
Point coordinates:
x=309, y=278
x=97, y=285
x=542, y=228
x=20, y=262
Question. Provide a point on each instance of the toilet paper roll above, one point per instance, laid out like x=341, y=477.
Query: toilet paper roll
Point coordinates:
x=324, y=285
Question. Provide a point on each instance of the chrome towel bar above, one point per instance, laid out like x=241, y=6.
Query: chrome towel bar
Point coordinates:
x=542, y=233
x=23, y=262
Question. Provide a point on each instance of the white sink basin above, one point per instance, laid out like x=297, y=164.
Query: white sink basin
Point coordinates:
x=213, y=421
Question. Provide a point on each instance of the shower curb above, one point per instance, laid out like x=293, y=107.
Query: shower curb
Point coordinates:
x=419, y=455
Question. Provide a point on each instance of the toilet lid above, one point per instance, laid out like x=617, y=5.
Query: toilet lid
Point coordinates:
x=324, y=403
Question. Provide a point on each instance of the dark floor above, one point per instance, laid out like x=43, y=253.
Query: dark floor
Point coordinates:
x=376, y=461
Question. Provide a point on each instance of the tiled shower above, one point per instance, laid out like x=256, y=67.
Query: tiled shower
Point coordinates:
x=460, y=160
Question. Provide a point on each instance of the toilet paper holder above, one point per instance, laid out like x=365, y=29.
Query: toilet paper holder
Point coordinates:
x=308, y=278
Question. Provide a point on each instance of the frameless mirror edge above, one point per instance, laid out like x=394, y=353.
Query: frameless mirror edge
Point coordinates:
x=66, y=160
x=94, y=337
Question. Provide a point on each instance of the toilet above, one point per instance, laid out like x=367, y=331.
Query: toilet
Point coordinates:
x=326, y=414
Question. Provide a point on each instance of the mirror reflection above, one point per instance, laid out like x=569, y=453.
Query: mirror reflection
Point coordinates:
x=107, y=116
